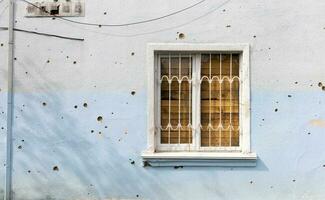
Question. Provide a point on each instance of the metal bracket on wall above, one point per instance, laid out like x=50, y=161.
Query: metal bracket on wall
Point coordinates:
x=72, y=8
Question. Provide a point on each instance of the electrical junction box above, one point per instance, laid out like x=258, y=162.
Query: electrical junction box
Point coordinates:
x=63, y=8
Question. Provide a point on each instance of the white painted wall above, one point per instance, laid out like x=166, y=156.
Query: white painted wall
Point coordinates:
x=287, y=58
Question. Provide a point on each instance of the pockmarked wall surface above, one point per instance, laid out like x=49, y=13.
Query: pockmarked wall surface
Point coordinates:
x=61, y=86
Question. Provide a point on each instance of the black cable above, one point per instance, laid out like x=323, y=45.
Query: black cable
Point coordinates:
x=165, y=29
x=51, y=35
x=45, y=34
x=117, y=25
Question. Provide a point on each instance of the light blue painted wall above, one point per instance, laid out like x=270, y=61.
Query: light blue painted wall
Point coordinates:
x=3, y=99
x=288, y=48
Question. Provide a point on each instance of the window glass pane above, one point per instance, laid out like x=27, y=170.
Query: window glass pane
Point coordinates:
x=176, y=99
x=219, y=100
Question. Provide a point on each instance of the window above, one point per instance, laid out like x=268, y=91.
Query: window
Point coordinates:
x=198, y=103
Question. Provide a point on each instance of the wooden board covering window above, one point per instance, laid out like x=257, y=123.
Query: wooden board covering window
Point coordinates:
x=219, y=90
x=175, y=99
x=219, y=100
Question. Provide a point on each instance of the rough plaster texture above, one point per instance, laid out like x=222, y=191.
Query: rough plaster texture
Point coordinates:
x=56, y=155
x=3, y=94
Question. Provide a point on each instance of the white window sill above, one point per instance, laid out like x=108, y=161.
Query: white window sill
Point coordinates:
x=196, y=159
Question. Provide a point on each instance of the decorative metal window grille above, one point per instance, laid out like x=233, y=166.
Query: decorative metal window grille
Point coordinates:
x=219, y=100
x=176, y=97
x=198, y=97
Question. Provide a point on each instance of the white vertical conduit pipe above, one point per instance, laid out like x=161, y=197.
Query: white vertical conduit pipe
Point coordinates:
x=8, y=181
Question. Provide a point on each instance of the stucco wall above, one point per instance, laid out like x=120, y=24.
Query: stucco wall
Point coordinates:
x=287, y=58
x=3, y=93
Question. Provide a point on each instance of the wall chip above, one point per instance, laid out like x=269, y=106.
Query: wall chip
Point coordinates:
x=99, y=118
x=320, y=84
x=181, y=36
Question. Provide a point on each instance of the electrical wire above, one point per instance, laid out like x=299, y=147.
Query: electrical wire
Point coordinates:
x=210, y=11
x=117, y=25
x=150, y=32
x=45, y=34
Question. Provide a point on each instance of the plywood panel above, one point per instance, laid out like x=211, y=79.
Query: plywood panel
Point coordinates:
x=175, y=103
x=220, y=100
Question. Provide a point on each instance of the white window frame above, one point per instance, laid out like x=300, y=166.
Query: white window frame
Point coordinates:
x=156, y=150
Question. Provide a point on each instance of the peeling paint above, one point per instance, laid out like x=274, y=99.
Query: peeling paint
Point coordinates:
x=317, y=123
